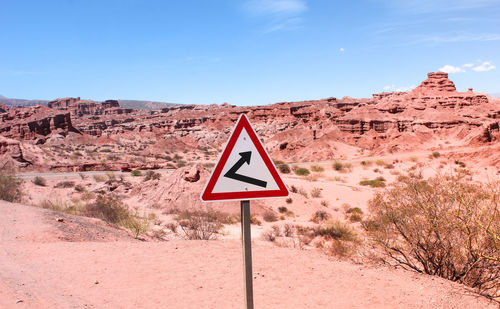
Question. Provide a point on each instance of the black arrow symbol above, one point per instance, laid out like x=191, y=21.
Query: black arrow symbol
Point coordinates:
x=245, y=158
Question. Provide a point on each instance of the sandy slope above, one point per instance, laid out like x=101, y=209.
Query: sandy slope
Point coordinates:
x=39, y=266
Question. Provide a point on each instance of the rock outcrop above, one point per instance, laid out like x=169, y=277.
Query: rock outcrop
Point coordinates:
x=307, y=130
x=30, y=123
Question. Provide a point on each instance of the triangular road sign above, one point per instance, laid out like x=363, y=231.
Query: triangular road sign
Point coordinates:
x=244, y=171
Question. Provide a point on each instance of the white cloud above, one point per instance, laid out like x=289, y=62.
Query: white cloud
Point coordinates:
x=468, y=65
x=483, y=67
x=342, y=49
x=451, y=69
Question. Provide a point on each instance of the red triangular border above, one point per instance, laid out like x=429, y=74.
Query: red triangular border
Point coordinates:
x=207, y=194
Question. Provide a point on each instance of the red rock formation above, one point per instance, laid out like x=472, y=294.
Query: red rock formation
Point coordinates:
x=436, y=81
x=33, y=122
x=11, y=153
x=307, y=130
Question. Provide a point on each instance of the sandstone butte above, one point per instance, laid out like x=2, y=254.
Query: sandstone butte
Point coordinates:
x=292, y=131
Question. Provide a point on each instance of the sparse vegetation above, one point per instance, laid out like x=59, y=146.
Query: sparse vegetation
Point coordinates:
x=202, y=224
x=380, y=162
x=282, y=209
x=136, y=173
x=374, y=183
x=317, y=168
x=284, y=168
x=443, y=226
x=65, y=184
x=152, y=175
x=436, y=154
x=289, y=200
x=342, y=167
x=354, y=214
x=270, y=216
x=303, y=192
x=302, y=171
x=40, y=181
x=99, y=178
x=10, y=187
x=316, y=192
x=320, y=216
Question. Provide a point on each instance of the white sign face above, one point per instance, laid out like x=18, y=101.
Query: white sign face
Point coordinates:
x=244, y=170
x=247, y=176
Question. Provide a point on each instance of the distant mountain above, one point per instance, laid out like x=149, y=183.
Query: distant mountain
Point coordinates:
x=147, y=105
x=135, y=104
x=495, y=95
x=21, y=102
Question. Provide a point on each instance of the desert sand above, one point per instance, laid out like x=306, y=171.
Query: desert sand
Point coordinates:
x=44, y=265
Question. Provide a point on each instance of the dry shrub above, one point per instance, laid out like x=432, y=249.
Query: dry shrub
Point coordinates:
x=303, y=192
x=10, y=187
x=374, y=183
x=317, y=168
x=354, y=214
x=270, y=216
x=316, y=192
x=99, y=178
x=202, y=224
x=320, y=216
x=40, y=181
x=288, y=230
x=65, y=184
x=269, y=235
x=172, y=227
x=445, y=226
x=108, y=209
x=151, y=175
x=284, y=168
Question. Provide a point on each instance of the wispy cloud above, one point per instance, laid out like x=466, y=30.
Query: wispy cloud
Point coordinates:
x=483, y=67
x=282, y=14
x=480, y=66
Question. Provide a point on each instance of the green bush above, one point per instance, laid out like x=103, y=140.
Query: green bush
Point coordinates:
x=302, y=171
x=337, y=230
x=136, y=173
x=374, y=183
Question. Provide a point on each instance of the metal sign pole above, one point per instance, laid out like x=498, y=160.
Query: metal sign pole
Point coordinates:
x=247, y=252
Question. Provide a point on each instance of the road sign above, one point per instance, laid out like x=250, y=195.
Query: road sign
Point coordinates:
x=244, y=171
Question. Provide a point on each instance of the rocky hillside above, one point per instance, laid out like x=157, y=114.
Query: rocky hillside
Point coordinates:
x=433, y=114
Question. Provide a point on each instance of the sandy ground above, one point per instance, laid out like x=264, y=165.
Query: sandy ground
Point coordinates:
x=41, y=267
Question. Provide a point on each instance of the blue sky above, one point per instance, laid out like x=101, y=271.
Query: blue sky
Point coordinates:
x=243, y=52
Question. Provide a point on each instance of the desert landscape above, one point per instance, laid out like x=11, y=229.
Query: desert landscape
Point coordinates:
x=393, y=204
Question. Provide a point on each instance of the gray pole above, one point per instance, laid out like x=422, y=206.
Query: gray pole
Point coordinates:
x=247, y=252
